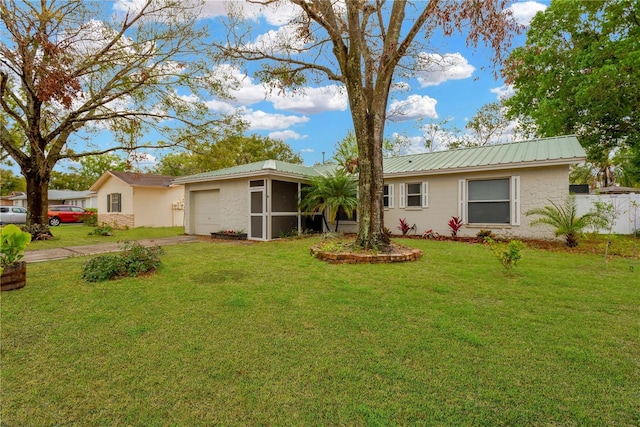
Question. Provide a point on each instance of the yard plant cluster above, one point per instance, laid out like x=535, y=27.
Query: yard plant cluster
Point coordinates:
x=262, y=334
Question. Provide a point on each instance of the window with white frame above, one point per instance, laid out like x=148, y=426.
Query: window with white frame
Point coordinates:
x=490, y=201
x=414, y=195
x=388, y=196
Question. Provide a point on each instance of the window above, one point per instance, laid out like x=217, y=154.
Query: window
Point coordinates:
x=342, y=215
x=414, y=195
x=113, y=202
x=388, y=196
x=490, y=201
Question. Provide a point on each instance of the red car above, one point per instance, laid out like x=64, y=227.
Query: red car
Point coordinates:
x=66, y=213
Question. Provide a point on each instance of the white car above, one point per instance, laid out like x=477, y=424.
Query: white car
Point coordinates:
x=13, y=215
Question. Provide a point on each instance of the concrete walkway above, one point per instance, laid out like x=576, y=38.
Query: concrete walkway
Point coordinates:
x=101, y=248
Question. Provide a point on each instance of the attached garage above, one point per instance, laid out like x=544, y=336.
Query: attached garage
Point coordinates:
x=205, y=208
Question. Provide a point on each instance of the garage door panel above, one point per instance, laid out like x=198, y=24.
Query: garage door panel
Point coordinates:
x=206, y=216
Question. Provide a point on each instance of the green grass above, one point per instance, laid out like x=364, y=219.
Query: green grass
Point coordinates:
x=264, y=334
x=78, y=235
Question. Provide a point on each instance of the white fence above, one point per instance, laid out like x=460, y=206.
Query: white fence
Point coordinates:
x=626, y=205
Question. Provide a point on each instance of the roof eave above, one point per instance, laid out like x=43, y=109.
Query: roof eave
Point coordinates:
x=241, y=175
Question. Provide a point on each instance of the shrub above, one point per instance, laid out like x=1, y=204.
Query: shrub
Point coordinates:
x=483, y=234
x=90, y=219
x=430, y=234
x=455, y=224
x=133, y=261
x=508, y=254
x=13, y=242
x=103, y=230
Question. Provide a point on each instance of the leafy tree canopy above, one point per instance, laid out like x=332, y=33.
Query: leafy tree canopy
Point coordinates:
x=231, y=151
x=579, y=73
x=9, y=182
x=87, y=171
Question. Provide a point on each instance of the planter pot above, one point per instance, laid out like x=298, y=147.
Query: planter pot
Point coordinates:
x=228, y=236
x=14, y=276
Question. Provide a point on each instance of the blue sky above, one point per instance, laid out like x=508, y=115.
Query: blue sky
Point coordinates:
x=313, y=122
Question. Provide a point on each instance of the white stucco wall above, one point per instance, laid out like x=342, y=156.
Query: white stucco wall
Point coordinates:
x=153, y=206
x=114, y=185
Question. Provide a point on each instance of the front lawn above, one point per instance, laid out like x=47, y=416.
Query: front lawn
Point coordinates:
x=263, y=334
x=78, y=234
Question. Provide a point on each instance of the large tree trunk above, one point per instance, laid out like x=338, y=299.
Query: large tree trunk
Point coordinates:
x=369, y=129
x=37, y=194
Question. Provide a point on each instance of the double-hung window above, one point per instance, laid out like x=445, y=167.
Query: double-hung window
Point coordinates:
x=490, y=201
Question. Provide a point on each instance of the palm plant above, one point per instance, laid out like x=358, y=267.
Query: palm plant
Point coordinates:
x=329, y=195
x=565, y=220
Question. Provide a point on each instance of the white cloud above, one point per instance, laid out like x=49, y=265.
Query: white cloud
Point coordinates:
x=284, y=39
x=411, y=144
x=286, y=135
x=307, y=150
x=312, y=100
x=503, y=92
x=259, y=120
x=414, y=107
x=240, y=87
x=434, y=68
x=524, y=12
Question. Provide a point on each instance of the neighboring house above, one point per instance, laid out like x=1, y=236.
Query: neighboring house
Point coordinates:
x=83, y=199
x=129, y=199
x=489, y=187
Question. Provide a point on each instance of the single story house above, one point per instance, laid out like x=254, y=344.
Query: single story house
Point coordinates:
x=488, y=187
x=128, y=199
x=83, y=199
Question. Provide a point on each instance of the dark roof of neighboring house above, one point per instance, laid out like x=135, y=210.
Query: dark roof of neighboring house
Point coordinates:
x=142, y=179
x=537, y=152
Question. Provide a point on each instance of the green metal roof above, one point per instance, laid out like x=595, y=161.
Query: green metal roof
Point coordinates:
x=557, y=150
x=266, y=166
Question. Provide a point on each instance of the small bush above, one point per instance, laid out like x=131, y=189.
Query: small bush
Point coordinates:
x=90, y=219
x=430, y=234
x=483, y=234
x=103, y=230
x=38, y=231
x=135, y=260
x=455, y=224
x=404, y=226
x=508, y=254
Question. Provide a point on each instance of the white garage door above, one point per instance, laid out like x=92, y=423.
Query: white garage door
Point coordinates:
x=206, y=217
